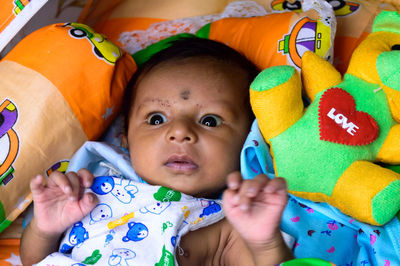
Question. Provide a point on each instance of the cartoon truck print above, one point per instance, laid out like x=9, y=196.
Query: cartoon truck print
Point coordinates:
x=102, y=48
x=306, y=35
x=340, y=7
x=19, y=5
x=60, y=166
x=9, y=143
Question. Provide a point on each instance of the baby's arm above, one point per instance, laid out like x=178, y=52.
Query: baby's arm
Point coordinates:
x=57, y=205
x=254, y=208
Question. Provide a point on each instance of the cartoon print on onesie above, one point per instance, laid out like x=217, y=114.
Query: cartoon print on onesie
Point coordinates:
x=77, y=236
x=109, y=238
x=103, y=185
x=167, y=258
x=93, y=258
x=136, y=232
x=213, y=207
x=126, y=193
x=101, y=212
x=156, y=208
x=120, y=257
x=164, y=196
x=210, y=207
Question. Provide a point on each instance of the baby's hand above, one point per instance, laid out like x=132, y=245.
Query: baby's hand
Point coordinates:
x=61, y=202
x=254, y=207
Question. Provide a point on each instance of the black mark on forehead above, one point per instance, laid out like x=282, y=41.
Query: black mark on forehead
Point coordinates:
x=185, y=94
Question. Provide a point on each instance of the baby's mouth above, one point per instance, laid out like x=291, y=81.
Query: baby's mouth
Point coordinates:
x=183, y=163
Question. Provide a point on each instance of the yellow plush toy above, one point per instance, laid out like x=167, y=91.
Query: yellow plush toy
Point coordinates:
x=328, y=151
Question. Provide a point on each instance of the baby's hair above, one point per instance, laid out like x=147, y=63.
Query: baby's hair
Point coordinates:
x=186, y=48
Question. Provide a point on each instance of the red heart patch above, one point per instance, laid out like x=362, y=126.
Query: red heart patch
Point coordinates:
x=340, y=122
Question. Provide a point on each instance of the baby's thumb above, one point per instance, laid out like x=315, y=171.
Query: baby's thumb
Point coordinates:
x=88, y=202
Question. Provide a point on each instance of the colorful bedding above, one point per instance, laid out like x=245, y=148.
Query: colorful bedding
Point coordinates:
x=352, y=26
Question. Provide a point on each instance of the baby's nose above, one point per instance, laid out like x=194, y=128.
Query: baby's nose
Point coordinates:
x=182, y=131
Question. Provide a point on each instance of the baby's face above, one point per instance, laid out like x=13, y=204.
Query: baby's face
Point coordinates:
x=188, y=124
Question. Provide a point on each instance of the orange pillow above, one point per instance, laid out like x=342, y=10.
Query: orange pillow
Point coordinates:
x=265, y=38
x=118, y=18
x=60, y=86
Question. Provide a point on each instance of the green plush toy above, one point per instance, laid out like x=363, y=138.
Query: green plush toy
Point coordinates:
x=328, y=151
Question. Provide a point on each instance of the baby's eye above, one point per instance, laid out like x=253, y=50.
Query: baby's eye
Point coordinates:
x=210, y=120
x=156, y=119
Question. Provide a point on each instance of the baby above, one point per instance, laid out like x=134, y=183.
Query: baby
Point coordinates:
x=187, y=115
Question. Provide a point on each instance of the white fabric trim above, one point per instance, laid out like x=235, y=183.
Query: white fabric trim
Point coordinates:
x=19, y=21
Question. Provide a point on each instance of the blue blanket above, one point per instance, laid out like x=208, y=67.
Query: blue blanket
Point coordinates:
x=322, y=231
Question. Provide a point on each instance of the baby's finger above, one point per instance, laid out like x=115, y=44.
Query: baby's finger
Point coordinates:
x=75, y=185
x=36, y=185
x=234, y=180
x=86, y=177
x=88, y=202
x=228, y=198
x=276, y=185
x=249, y=189
x=59, y=179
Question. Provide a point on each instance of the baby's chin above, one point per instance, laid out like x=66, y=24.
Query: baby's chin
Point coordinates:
x=188, y=186
x=215, y=194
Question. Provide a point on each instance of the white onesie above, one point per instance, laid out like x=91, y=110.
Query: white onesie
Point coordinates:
x=133, y=224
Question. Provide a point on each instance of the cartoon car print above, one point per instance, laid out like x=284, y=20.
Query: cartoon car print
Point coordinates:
x=102, y=48
x=284, y=5
x=9, y=143
x=19, y=5
x=60, y=166
x=306, y=35
x=343, y=8
x=340, y=7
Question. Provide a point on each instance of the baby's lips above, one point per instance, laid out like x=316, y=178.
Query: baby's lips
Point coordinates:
x=181, y=162
x=182, y=165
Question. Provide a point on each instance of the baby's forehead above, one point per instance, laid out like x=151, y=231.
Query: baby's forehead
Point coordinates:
x=190, y=79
